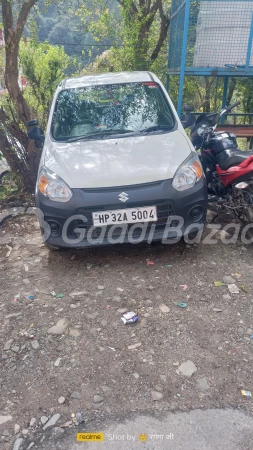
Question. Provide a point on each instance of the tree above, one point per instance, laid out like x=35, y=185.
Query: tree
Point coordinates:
x=137, y=30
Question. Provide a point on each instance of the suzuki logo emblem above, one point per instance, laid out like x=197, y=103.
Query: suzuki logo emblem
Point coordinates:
x=123, y=197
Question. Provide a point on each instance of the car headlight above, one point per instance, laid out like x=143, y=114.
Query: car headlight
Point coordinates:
x=53, y=187
x=188, y=174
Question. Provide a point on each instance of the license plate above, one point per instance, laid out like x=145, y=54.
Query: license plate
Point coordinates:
x=122, y=216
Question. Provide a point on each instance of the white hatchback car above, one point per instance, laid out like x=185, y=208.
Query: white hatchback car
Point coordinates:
x=117, y=165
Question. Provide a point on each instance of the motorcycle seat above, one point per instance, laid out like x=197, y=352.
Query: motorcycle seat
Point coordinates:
x=232, y=157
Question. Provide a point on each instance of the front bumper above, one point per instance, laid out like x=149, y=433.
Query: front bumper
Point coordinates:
x=63, y=224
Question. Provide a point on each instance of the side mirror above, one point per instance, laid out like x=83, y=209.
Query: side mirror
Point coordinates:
x=188, y=108
x=36, y=134
x=32, y=123
x=188, y=120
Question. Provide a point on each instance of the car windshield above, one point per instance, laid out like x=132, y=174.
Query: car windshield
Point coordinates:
x=105, y=111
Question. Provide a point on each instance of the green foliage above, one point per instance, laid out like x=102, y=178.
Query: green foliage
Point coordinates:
x=44, y=67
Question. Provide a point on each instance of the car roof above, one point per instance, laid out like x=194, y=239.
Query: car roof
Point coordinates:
x=107, y=78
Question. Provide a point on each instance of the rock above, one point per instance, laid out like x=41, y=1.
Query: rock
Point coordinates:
x=67, y=424
x=122, y=310
x=32, y=421
x=75, y=305
x=233, y=289
x=106, y=389
x=7, y=344
x=18, y=443
x=74, y=333
x=98, y=398
x=25, y=432
x=35, y=345
x=76, y=395
x=228, y=279
x=30, y=445
x=4, y=419
x=187, y=368
x=101, y=288
x=57, y=431
x=89, y=266
x=92, y=316
x=16, y=428
x=163, y=378
x=249, y=331
x=241, y=330
x=136, y=375
x=120, y=289
x=26, y=281
x=176, y=364
x=44, y=420
x=57, y=362
x=202, y=384
x=15, y=348
x=52, y=421
x=116, y=298
x=78, y=294
x=61, y=400
x=6, y=433
x=217, y=310
x=164, y=308
x=156, y=396
x=59, y=328
x=132, y=347
x=226, y=297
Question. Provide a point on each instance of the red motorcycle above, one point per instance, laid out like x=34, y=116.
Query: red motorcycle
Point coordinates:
x=228, y=170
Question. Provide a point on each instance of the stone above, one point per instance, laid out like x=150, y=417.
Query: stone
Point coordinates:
x=76, y=395
x=163, y=378
x=136, y=375
x=98, y=398
x=106, y=389
x=15, y=348
x=57, y=431
x=116, y=298
x=8, y=344
x=156, y=396
x=75, y=305
x=217, y=310
x=202, y=384
x=30, y=445
x=78, y=294
x=16, y=428
x=228, y=279
x=249, y=331
x=35, y=345
x=61, y=400
x=32, y=421
x=44, y=420
x=176, y=364
x=52, y=421
x=26, y=281
x=101, y=288
x=164, y=308
x=89, y=266
x=226, y=297
x=74, y=333
x=241, y=330
x=6, y=433
x=57, y=362
x=187, y=368
x=25, y=432
x=4, y=419
x=92, y=315
x=122, y=310
x=18, y=443
x=133, y=346
x=59, y=327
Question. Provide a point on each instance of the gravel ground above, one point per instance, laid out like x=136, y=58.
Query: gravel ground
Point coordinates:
x=98, y=365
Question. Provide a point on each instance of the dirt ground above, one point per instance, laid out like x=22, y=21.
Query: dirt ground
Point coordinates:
x=91, y=363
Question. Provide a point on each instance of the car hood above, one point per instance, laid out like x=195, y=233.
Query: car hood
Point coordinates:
x=117, y=162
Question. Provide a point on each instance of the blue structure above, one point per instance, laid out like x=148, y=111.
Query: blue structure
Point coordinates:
x=210, y=38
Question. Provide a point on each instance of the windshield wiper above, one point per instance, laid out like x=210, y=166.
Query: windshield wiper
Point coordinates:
x=156, y=128
x=98, y=134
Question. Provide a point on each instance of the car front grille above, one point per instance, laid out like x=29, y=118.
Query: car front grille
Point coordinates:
x=164, y=210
